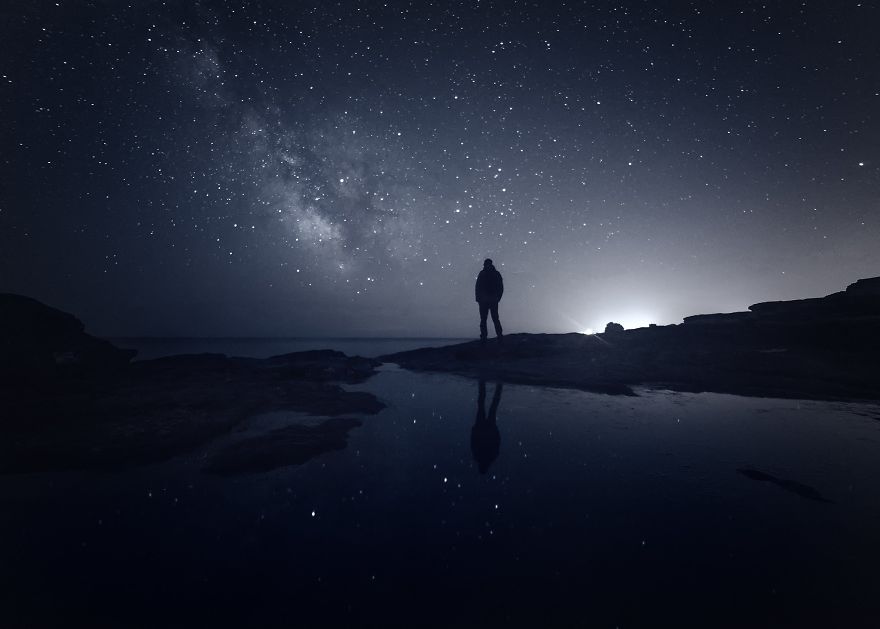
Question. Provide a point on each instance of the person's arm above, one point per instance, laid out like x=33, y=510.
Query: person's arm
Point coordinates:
x=500, y=286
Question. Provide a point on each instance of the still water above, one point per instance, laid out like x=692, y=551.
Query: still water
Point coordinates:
x=464, y=504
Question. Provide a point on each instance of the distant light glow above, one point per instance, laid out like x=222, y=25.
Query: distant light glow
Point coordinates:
x=631, y=322
x=589, y=331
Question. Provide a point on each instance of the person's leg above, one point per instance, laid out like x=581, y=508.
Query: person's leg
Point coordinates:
x=495, y=320
x=496, y=400
x=484, y=312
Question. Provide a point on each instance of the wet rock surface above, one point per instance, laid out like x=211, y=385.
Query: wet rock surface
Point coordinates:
x=153, y=410
x=823, y=348
x=70, y=400
x=799, y=489
x=291, y=445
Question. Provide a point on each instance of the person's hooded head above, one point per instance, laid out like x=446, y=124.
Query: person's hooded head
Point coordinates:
x=487, y=263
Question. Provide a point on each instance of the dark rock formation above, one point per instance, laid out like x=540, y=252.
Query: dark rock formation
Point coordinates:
x=824, y=348
x=566, y=360
x=323, y=365
x=153, y=410
x=799, y=489
x=287, y=446
x=36, y=340
x=866, y=287
x=613, y=328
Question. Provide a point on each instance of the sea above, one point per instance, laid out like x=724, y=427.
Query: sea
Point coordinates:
x=150, y=348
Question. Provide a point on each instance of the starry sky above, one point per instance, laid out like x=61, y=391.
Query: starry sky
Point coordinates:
x=279, y=168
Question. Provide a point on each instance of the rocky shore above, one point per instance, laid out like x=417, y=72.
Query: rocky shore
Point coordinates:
x=72, y=401
x=824, y=348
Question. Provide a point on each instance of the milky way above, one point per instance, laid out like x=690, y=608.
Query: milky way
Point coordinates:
x=277, y=168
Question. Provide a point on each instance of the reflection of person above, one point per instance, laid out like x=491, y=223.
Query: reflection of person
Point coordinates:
x=487, y=292
x=485, y=438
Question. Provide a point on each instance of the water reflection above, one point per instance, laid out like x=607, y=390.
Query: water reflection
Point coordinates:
x=485, y=438
x=800, y=489
x=606, y=511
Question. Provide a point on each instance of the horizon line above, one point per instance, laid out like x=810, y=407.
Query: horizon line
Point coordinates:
x=283, y=338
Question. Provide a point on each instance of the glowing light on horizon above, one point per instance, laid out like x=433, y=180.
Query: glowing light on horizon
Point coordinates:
x=629, y=322
x=634, y=321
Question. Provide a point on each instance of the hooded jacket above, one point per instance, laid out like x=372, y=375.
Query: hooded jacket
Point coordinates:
x=489, y=287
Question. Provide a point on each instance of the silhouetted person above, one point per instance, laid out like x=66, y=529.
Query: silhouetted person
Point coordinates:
x=488, y=291
x=485, y=438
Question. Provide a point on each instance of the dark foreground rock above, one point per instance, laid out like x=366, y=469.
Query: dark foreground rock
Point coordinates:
x=799, y=489
x=825, y=348
x=291, y=445
x=152, y=410
x=38, y=341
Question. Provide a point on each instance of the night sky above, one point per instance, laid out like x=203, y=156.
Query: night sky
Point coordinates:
x=342, y=168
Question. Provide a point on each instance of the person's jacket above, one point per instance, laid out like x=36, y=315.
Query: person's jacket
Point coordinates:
x=489, y=286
